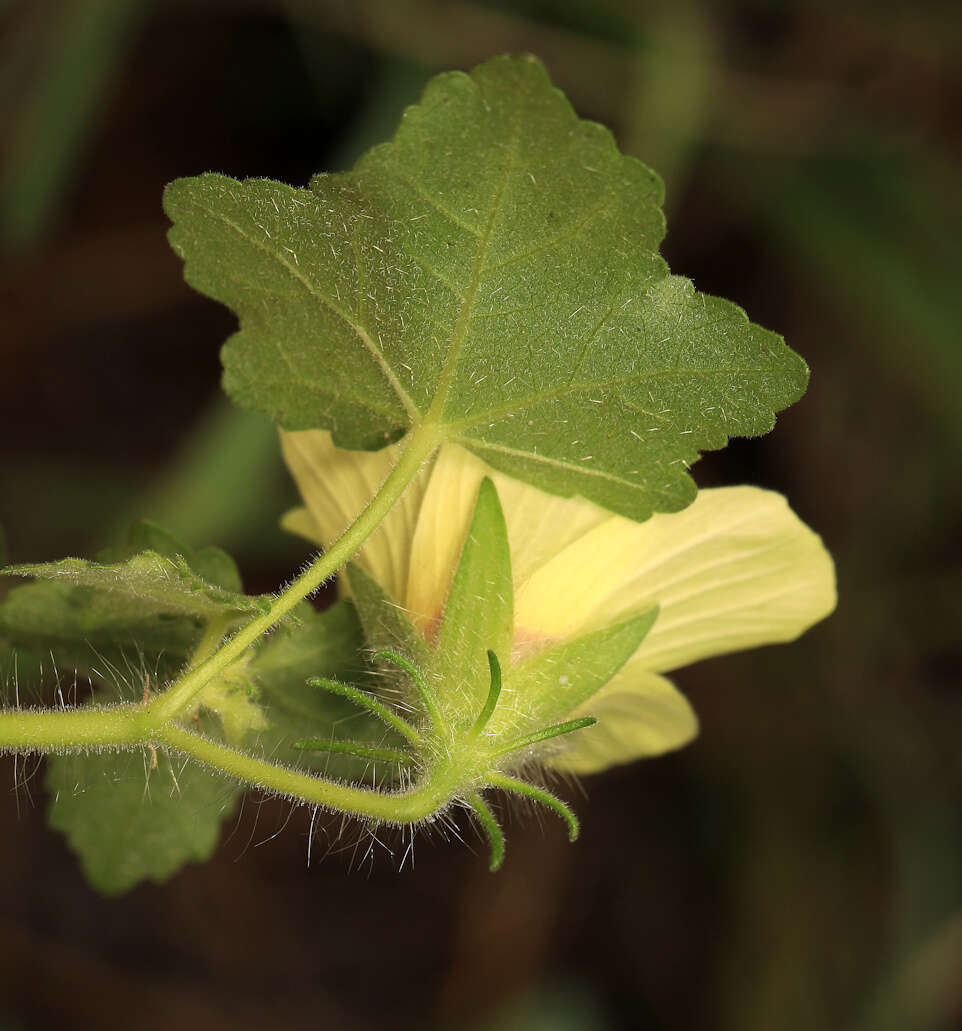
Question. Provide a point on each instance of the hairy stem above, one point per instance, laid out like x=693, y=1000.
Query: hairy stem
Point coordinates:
x=49, y=730
x=409, y=806
x=46, y=730
x=421, y=445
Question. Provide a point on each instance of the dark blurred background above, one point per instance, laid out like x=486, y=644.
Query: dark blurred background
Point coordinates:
x=800, y=866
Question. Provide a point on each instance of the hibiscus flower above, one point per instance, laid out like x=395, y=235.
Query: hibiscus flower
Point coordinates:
x=736, y=569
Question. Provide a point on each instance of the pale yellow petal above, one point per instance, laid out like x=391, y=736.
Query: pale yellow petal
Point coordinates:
x=735, y=569
x=337, y=484
x=571, y=592
x=439, y=532
x=741, y=570
x=301, y=523
x=539, y=525
x=639, y=714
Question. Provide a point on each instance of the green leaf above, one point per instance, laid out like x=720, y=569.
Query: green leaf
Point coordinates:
x=95, y=632
x=129, y=823
x=211, y=563
x=120, y=628
x=479, y=611
x=149, y=579
x=493, y=270
x=320, y=644
x=552, y=684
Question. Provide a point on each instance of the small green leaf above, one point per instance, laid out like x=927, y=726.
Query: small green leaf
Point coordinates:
x=211, y=563
x=150, y=579
x=494, y=270
x=139, y=609
x=479, y=611
x=94, y=632
x=551, y=684
x=129, y=823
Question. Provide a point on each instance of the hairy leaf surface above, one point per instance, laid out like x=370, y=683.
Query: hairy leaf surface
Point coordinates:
x=129, y=823
x=150, y=579
x=493, y=269
x=131, y=613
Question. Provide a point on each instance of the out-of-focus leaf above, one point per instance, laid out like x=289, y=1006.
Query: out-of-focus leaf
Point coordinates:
x=324, y=644
x=129, y=823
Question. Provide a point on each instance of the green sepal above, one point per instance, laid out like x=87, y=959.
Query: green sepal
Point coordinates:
x=129, y=823
x=479, y=611
x=384, y=622
x=553, y=683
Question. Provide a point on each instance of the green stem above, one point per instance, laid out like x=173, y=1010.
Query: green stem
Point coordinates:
x=409, y=806
x=211, y=638
x=48, y=730
x=127, y=725
x=51, y=730
x=353, y=748
x=422, y=443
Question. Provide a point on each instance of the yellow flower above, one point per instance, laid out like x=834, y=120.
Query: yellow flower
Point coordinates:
x=735, y=569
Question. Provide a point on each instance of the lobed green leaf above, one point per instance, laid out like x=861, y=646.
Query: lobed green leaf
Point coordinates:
x=139, y=609
x=494, y=269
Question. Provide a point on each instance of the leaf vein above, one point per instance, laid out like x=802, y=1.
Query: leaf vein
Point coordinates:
x=568, y=232
x=460, y=329
x=432, y=202
x=407, y=402
x=522, y=404
x=560, y=463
